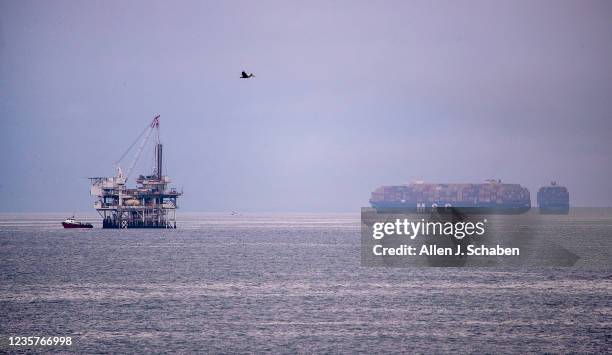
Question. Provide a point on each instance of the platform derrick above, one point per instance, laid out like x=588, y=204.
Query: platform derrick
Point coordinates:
x=152, y=204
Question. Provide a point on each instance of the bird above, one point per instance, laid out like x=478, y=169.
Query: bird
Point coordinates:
x=247, y=76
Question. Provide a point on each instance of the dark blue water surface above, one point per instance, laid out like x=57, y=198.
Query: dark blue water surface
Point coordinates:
x=278, y=283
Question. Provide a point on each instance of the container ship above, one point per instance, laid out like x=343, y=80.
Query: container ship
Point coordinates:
x=553, y=199
x=152, y=204
x=490, y=197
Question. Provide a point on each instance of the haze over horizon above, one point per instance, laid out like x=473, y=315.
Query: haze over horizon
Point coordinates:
x=349, y=95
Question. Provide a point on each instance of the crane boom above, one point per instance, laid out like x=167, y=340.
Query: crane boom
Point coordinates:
x=154, y=125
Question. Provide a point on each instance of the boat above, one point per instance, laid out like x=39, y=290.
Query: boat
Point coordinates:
x=493, y=196
x=553, y=199
x=70, y=222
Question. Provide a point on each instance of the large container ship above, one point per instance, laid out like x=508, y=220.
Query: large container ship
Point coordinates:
x=553, y=199
x=490, y=197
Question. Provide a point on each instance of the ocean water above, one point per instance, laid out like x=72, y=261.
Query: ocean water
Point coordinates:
x=281, y=283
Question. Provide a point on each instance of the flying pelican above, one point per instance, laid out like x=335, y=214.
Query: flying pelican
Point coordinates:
x=247, y=76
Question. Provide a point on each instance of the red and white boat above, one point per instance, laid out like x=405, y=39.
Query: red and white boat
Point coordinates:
x=73, y=223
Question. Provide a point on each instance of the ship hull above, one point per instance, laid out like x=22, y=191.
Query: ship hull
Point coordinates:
x=490, y=208
x=138, y=227
x=554, y=210
x=76, y=225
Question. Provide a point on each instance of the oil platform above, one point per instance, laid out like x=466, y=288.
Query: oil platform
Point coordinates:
x=152, y=204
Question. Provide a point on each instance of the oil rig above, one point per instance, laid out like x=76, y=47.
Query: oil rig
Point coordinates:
x=152, y=204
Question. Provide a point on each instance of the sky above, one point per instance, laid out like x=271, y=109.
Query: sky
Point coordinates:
x=348, y=96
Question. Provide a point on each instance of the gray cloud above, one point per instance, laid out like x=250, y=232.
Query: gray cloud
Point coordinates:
x=349, y=95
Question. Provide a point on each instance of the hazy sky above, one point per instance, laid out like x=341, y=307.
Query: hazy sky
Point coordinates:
x=348, y=96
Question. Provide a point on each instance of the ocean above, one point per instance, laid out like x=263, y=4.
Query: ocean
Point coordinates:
x=281, y=283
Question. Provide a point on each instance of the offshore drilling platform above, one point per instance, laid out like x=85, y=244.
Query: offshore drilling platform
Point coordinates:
x=152, y=204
